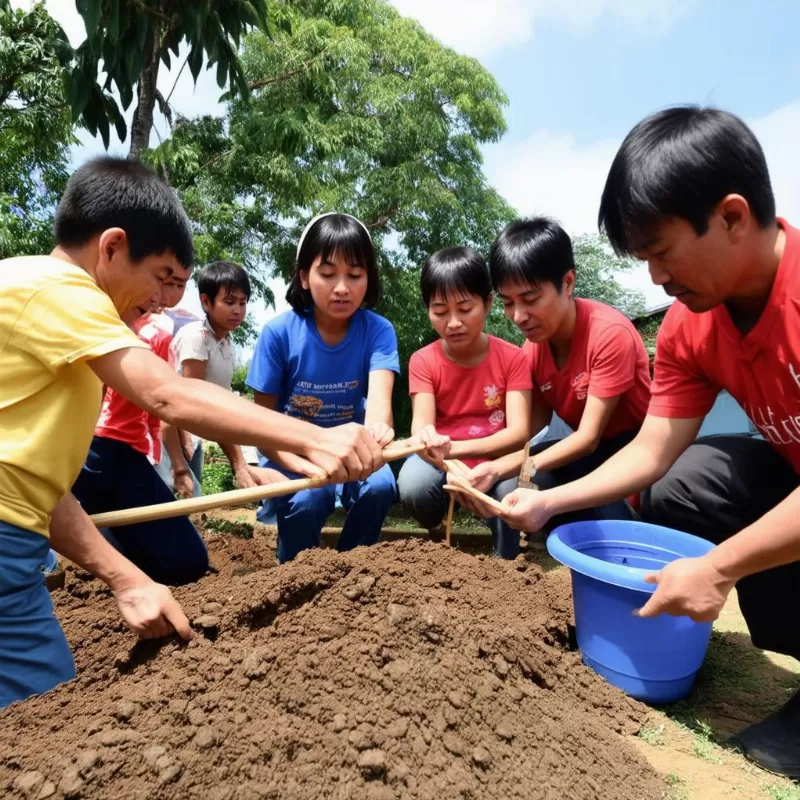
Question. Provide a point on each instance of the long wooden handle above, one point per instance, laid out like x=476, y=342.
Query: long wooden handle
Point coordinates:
x=237, y=497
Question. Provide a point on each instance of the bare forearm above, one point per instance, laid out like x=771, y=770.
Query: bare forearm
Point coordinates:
x=288, y=461
x=74, y=535
x=213, y=413
x=508, y=466
x=170, y=436
x=234, y=454
x=378, y=412
x=772, y=541
x=498, y=444
x=565, y=451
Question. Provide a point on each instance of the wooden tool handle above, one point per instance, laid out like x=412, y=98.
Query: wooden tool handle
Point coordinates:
x=237, y=497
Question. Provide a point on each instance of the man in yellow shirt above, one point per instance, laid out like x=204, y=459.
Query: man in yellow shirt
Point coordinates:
x=120, y=232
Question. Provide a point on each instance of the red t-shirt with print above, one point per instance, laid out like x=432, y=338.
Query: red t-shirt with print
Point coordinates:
x=698, y=355
x=606, y=358
x=470, y=401
x=124, y=421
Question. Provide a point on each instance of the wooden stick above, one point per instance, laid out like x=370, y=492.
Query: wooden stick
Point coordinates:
x=237, y=497
x=448, y=526
x=460, y=485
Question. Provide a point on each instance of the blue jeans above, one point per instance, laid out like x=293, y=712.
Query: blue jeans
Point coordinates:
x=34, y=654
x=421, y=489
x=115, y=476
x=300, y=516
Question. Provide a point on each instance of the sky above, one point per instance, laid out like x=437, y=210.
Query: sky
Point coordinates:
x=579, y=74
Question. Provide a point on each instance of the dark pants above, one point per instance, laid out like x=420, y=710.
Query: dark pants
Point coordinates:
x=719, y=486
x=116, y=476
x=580, y=469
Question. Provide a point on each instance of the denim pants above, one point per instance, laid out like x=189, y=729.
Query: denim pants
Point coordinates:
x=421, y=489
x=115, y=476
x=301, y=516
x=34, y=654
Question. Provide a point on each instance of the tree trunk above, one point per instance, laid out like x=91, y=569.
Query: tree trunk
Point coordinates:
x=146, y=99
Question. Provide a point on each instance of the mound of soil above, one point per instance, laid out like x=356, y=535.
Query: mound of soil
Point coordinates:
x=405, y=670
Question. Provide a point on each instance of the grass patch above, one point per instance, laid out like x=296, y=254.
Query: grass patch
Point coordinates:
x=239, y=528
x=652, y=734
x=676, y=788
x=783, y=792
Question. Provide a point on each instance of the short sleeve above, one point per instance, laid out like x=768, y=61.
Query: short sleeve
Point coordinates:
x=519, y=377
x=384, y=354
x=268, y=365
x=190, y=344
x=679, y=390
x=612, y=365
x=70, y=321
x=420, y=375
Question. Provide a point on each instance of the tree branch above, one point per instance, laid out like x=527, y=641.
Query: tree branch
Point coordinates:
x=284, y=76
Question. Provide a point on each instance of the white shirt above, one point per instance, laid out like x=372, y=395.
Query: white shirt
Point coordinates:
x=197, y=342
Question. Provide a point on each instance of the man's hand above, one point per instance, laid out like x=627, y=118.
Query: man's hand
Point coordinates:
x=346, y=453
x=482, y=477
x=437, y=446
x=690, y=587
x=151, y=611
x=527, y=510
x=249, y=475
x=381, y=432
x=182, y=483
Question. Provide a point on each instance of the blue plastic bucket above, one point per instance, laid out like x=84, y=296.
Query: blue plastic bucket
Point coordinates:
x=656, y=659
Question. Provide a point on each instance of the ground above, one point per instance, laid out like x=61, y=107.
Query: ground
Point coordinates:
x=738, y=685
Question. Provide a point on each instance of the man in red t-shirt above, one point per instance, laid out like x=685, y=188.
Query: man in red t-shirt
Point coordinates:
x=118, y=473
x=588, y=363
x=689, y=191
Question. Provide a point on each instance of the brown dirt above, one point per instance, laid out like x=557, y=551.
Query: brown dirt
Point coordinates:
x=405, y=670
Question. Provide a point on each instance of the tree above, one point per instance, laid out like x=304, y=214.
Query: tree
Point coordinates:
x=133, y=37
x=596, y=270
x=35, y=127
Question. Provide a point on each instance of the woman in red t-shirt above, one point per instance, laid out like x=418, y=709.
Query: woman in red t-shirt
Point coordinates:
x=467, y=385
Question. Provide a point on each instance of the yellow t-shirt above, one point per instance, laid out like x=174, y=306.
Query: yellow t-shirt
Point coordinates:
x=53, y=320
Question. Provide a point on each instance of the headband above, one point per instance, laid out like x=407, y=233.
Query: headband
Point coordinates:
x=317, y=219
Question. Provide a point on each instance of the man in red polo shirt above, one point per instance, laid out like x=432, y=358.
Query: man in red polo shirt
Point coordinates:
x=689, y=191
x=588, y=363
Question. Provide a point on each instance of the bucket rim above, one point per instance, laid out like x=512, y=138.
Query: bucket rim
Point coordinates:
x=618, y=575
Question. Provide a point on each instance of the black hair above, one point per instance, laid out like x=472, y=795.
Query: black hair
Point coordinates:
x=452, y=271
x=222, y=275
x=681, y=162
x=335, y=235
x=112, y=192
x=531, y=251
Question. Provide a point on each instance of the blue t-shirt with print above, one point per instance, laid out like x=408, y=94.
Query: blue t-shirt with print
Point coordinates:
x=320, y=383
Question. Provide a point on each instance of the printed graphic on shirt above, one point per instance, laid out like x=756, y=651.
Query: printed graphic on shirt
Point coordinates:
x=776, y=430
x=324, y=402
x=581, y=385
x=492, y=396
x=497, y=418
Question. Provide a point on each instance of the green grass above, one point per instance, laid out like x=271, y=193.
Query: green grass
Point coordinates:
x=676, y=788
x=652, y=734
x=783, y=792
x=240, y=528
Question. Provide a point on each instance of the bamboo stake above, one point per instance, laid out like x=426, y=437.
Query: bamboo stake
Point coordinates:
x=237, y=497
x=448, y=526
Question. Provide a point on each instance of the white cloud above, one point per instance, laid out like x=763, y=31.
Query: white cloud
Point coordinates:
x=479, y=28
x=548, y=173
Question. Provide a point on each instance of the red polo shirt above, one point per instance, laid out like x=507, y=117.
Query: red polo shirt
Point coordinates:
x=606, y=358
x=697, y=355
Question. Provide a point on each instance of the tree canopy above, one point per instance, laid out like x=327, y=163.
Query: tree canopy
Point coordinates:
x=35, y=127
x=131, y=40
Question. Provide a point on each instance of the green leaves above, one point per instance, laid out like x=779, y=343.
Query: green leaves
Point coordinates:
x=123, y=34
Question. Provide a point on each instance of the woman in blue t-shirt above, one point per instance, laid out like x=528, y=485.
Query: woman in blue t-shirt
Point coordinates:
x=329, y=361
